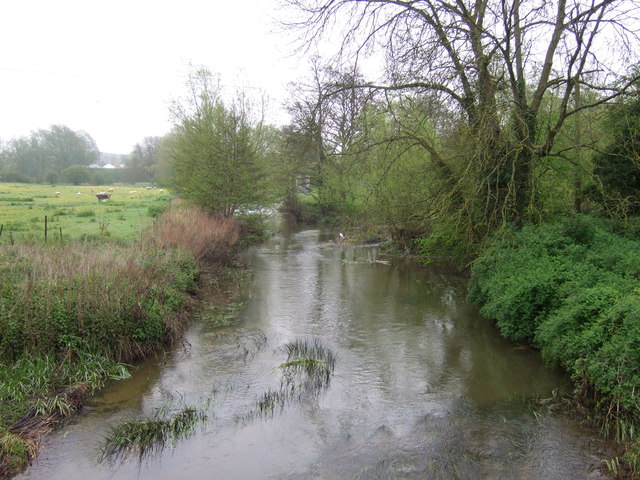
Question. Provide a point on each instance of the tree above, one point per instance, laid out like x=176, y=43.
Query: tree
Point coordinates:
x=617, y=167
x=492, y=63
x=218, y=151
x=52, y=150
x=76, y=174
x=144, y=158
x=326, y=135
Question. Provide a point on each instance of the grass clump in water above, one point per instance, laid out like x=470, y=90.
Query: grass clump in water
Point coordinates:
x=306, y=373
x=144, y=438
x=309, y=366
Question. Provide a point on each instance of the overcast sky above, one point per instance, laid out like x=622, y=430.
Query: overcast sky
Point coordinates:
x=111, y=68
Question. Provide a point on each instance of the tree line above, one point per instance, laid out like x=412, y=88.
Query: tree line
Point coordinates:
x=487, y=113
x=61, y=155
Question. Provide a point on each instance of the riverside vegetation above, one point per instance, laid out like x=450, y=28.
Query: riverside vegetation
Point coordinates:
x=74, y=313
x=572, y=290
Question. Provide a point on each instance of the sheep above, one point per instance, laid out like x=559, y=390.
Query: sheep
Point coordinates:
x=103, y=196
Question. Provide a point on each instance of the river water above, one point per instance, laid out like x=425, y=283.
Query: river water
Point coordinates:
x=423, y=387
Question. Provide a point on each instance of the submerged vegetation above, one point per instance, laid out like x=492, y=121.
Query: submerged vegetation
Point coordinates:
x=306, y=373
x=71, y=315
x=144, y=438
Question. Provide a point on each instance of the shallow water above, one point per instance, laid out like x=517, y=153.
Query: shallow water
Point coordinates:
x=423, y=387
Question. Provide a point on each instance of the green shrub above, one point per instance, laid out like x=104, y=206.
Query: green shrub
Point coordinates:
x=573, y=291
x=155, y=211
x=76, y=174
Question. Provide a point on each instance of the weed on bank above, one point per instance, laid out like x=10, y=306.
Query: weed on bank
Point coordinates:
x=573, y=291
x=72, y=314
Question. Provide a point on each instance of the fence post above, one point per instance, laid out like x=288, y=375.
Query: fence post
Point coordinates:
x=45, y=228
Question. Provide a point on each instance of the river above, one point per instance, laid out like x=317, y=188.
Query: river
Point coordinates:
x=423, y=387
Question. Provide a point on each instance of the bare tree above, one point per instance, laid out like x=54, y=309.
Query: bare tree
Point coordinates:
x=494, y=64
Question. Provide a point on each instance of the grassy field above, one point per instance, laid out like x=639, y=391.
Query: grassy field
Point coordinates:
x=74, y=211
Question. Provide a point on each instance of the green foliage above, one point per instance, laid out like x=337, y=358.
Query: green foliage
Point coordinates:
x=16, y=177
x=155, y=211
x=51, y=177
x=143, y=438
x=618, y=166
x=218, y=150
x=76, y=175
x=51, y=150
x=573, y=290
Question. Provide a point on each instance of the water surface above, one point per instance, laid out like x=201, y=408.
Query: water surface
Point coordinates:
x=423, y=388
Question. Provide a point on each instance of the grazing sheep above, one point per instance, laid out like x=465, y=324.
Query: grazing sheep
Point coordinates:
x=103, y=196
x=57, y=194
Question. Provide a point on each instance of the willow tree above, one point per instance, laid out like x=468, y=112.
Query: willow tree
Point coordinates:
x=218, y=150
x=492, y=63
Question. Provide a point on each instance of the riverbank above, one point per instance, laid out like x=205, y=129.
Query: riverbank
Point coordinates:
x=73, y=315
x=572, y=290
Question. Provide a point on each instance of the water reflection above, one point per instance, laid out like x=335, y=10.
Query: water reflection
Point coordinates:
x=422, y=387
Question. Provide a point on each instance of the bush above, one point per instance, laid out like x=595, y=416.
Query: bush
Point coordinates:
x=16, y=177
x=572, y=290
x=76, y=175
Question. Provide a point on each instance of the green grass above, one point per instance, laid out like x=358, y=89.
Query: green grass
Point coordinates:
x=23, y=208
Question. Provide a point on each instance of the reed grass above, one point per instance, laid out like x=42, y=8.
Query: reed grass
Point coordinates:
x=309, y=366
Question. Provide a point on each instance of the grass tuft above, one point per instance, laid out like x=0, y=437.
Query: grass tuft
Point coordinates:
x=144, y=438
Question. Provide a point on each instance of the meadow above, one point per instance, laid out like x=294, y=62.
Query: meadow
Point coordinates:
x=74, y=212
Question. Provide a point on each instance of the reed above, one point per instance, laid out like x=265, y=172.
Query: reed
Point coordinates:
x=210, y=239
x=309, y=366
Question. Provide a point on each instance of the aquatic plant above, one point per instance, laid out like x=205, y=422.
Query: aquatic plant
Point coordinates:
x=309, y=366
x=147, y=437
x=271, y=401
x=306, y=373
